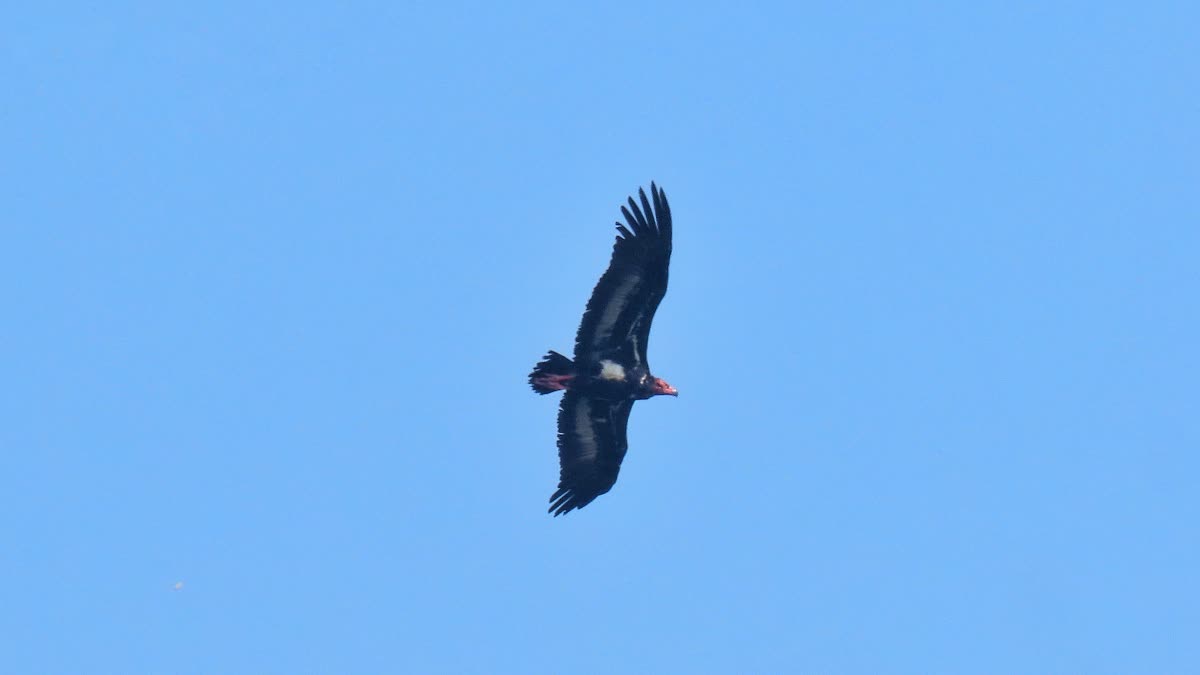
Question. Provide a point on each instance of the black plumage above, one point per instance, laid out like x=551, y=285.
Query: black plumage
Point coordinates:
x=610, y=370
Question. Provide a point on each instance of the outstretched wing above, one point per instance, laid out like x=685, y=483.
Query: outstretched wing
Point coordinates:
x=591, y=445
x=618, y=316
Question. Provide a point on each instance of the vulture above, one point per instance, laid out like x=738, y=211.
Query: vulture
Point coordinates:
x=610, y=370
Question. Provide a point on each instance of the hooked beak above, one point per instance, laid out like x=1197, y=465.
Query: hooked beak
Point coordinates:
x=661, y=387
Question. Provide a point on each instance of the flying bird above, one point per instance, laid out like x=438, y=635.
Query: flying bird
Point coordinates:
x=610, y=370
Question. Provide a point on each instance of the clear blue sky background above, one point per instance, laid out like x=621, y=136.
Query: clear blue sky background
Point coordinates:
x=272, y=279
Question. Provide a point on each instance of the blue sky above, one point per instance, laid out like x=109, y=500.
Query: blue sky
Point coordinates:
x=272, y=281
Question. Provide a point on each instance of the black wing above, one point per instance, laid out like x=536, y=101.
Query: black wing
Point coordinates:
x=591, y=445
x=618, y=316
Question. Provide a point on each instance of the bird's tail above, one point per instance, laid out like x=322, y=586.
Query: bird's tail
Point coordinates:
x=553, y=373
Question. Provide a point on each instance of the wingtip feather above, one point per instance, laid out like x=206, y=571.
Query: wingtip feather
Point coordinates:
x=650, y=217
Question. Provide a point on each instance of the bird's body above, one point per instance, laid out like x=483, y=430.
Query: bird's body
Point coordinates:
x=610, y=370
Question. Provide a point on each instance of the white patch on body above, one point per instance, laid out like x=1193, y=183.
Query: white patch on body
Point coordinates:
x=611, y=370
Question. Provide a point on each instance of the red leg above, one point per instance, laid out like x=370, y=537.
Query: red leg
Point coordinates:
x=554, y=382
